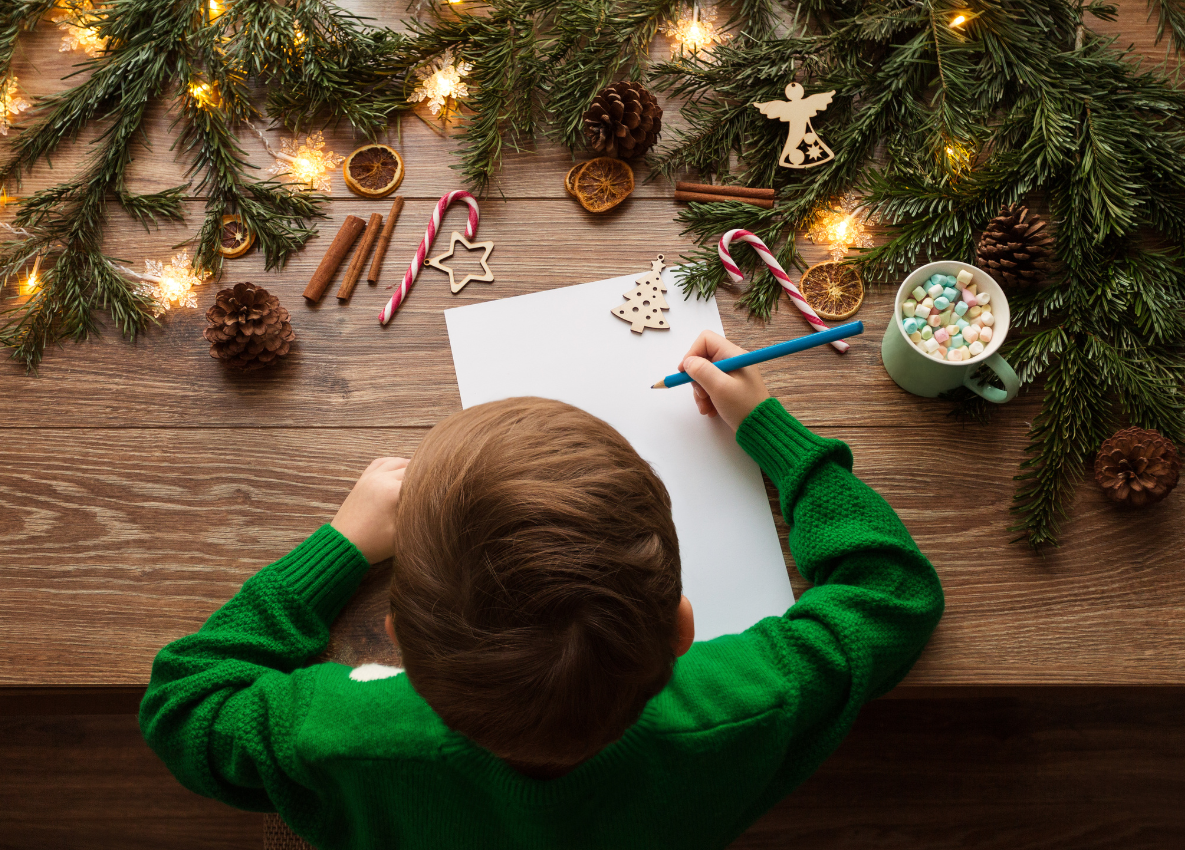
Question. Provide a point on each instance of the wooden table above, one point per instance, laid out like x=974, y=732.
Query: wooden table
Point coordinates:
x=141, y=484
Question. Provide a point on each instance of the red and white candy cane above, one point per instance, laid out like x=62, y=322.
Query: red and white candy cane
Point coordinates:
x=417, y=262
x=775, y=268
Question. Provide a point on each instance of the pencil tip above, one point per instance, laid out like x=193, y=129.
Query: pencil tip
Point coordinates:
x=659, y=386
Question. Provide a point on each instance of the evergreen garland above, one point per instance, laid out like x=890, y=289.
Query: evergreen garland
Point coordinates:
x=934, y=125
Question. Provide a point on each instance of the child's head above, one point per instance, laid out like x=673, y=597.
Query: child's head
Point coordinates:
x=536, y=593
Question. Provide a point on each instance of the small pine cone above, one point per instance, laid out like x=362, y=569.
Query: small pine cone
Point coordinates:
x=623, y=121
x=248, y=328
x=1015, y=248
x=1137, y=467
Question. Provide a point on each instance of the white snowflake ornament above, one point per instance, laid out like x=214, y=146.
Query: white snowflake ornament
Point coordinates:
x=441, y=84
x=11, y=103
x=172, y=285
x=307, y=162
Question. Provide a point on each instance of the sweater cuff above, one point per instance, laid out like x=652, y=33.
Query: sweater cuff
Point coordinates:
x=324, y=571
x=782, y=446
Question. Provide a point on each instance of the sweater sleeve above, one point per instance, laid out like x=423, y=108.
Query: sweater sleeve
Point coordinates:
x=223, y=705
x=876, y=599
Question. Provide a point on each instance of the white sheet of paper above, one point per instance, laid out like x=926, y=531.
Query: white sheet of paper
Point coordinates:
x=565, y=344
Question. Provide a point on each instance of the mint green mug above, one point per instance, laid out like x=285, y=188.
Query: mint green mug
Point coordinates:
x=923, y=375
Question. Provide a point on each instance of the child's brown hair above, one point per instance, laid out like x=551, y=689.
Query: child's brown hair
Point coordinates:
x=536, y=580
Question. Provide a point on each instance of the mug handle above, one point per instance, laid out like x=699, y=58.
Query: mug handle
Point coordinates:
x=1005, y=373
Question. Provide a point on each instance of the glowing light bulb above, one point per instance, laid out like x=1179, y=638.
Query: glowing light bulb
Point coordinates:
x=215, y=9
x=11, y=104
x=958, y=20
x=307, y=162
x=695, y=30
x=841, y=227
x=203, y=93
x=33, y=282
x=170, y=286
x=298, y=36
x=441, y=84
x=78, y=23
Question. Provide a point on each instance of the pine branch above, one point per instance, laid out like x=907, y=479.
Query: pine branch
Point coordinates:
x=1170, y=18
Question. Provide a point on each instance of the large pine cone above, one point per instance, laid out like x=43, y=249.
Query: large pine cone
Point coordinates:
x=1015, y=249
x=1137, y=467
x=248, y=327
x=624, y=121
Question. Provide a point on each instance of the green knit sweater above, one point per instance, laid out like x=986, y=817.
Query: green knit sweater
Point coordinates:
x=355, y=763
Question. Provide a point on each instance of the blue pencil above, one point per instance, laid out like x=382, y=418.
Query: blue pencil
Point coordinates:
x=762, y=354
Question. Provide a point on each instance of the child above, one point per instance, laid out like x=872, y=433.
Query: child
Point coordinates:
x=536, y=600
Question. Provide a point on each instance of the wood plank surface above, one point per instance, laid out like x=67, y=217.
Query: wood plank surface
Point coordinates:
x=1084, y=773
x=140, y=484
x=120, y=540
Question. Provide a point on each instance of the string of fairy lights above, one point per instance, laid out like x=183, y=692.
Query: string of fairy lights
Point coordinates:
x=441, y=86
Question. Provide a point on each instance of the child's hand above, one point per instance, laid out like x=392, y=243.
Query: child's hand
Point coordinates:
x=733, y=395
x=367, y=516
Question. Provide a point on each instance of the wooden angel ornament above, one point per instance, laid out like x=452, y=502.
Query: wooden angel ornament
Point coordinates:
x=644, y=304
x=803, y=148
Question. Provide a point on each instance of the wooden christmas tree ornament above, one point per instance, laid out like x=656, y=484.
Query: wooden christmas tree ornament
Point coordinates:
x=644, y=304
x=455, y=285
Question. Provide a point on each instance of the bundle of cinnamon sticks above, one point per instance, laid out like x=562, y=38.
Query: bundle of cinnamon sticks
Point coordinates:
x=706, y=192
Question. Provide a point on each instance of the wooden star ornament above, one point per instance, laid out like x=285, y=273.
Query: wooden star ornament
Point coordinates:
x=454, y=284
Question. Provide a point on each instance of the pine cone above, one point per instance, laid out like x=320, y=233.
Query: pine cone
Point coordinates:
x=1137, y=467
x=248, y=327
x=623, y=121
x=1015, y=249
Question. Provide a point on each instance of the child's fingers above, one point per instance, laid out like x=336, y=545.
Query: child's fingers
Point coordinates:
x=712, y=346
x=703, y=401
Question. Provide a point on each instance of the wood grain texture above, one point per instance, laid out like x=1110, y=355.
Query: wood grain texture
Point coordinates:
x=1080, y=773
x=118, y=541
x=140, y=484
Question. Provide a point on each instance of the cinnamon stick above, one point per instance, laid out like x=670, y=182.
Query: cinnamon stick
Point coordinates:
x=331, y=262
x=731, y=191
x=764, y=203
x=380, y=247
x=360, y=256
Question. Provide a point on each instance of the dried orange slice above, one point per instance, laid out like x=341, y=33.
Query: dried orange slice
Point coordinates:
x=234, y=240
x=570, y=178
x=603, y=183
x=834, y=289
x=373, y=171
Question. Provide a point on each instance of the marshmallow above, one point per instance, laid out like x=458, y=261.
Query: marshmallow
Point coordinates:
x=963, y=323
x=934, y=289
x=950, y=293
x=910, y=325
x=968, y=296
x=934, y=320
x=976, y=348
x=929, y=345
x=985, y=334
x=918, y=293
x=926, y=331
x=971, y=334
x=954, y=355
x=983, y=298
x=941, y=351
x=957, y=341
x=921, y=311
x=908, y=307
x=916, y=337
x=960, y=308
x=974, y=312
x=941, y=302
x=964, y=277
x=941, y=335
x=973, y=288
x=988, y=318
x=928, y=301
